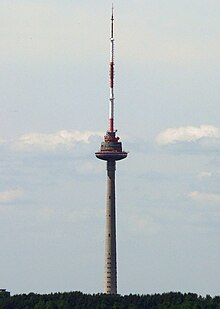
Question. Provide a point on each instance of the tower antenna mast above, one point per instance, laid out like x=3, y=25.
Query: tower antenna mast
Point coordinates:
x=111, y=99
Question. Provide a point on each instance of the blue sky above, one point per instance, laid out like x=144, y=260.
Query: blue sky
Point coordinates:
x=54, y=108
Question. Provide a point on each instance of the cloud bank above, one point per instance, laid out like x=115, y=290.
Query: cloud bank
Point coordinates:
x=63, y=138
x=2, y=141
x=11, y=195
x=204, y=197
x=204, y=174
x=187, y=134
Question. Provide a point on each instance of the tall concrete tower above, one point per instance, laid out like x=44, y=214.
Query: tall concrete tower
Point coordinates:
x=111, y=151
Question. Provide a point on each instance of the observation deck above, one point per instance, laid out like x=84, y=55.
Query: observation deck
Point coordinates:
x=111, y=148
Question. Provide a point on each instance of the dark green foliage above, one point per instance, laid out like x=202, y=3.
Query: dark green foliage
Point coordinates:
x=78, y=300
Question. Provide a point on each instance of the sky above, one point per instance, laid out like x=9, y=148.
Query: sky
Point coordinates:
x=54, y=89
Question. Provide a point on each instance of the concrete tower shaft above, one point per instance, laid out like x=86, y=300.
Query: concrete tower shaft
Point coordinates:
x=110, y=275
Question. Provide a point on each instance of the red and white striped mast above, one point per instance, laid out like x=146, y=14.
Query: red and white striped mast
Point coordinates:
x=111, y=99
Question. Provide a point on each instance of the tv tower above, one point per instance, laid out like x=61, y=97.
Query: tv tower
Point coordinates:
x=111, y=151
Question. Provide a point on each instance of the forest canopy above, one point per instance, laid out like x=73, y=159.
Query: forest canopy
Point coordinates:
x=78, y=300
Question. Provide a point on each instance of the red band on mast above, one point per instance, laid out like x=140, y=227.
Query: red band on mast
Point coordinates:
x=111, y=125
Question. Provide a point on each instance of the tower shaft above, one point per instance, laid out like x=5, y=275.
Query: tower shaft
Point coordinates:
x=110, y=274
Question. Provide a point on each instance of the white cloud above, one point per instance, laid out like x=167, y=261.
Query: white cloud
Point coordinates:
x=141, y=224
x=187, y=134
x=204, y=174
x=2, y=141
x=204, y=197
x=51, y=141
x=11, y=195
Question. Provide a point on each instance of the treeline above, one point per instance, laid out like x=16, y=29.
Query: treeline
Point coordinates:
x=78, y=300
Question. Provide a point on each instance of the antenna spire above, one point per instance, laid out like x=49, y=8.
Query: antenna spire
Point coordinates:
x=111, y=99
x=112, y=19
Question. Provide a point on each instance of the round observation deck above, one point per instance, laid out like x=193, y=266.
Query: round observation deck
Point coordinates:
x=111, y=148
x=111, y=155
